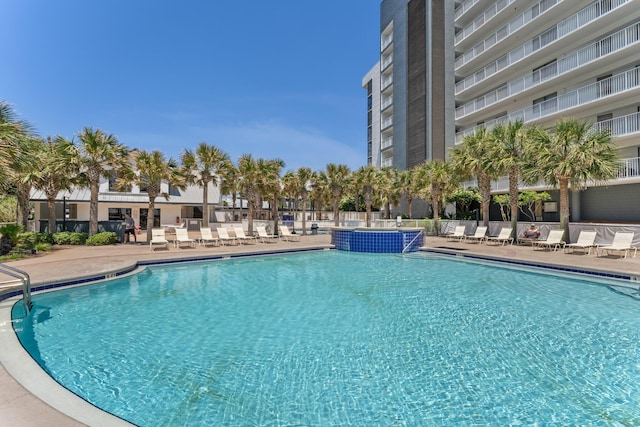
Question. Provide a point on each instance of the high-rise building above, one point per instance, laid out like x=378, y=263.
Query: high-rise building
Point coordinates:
x=525, y=60
x=416, y=111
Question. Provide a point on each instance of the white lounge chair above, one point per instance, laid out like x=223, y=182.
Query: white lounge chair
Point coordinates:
x=243, y=238
x=503, y=237
x=457, y=234
x=287, y=235
x=586, y=241
x=182, y=237
x=206, y=237
x=478, y=236
x=553, y=240
x=223, y=235
x=266, y=237
x=158, y=239
x=621, y=243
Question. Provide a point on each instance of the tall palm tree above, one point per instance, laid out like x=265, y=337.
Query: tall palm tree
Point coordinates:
x=100, y=155
x=570, y=155
x=320, y=192
x=151, y=171
x=389, y=188
x=202, y=167
x=473, y=157
x=337, y=181
x=436, y=179
x=290, y=189
x=230, y=184
x=508, y=146
x=304, y=177
x=18, y=148
x=270, y=186
x=55, y=171
x=407, y=187
x=250, y=177
x=368, y=179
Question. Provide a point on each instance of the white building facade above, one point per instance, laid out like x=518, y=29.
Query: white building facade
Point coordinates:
x=536, y=61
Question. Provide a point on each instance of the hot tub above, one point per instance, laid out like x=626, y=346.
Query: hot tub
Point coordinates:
x=377, y=240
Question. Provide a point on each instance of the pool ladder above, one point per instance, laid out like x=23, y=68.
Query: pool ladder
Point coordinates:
x=24, y=278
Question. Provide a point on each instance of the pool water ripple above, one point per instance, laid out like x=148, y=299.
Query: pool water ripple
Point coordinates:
x=339, y=338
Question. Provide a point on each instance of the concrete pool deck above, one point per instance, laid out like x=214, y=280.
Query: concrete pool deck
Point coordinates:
x=19, y=407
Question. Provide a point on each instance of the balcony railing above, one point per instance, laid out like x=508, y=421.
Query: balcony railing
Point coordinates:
x=627, y=168
x=385, y=41
x=562, y=29
x=623, y=39
x=603, y=88
x=387, y=102
x=386, y=81
x=482, y=19
x=464, y=7
x=386, y=142
x=386, y=122
x=618, y=126
x=386, y=163
x=386, y=61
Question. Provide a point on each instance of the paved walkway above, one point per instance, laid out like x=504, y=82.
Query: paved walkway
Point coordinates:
x=18, y=407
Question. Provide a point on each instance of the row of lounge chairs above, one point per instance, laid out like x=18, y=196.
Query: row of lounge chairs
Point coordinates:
x=622, y=241
x=223, y=237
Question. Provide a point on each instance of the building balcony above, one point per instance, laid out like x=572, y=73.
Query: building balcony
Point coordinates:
x=386, y=163
x=609, y=49
x=562, y=29
x=386, y=81
x=611, y=88
x=386, y=142
x=482, y=19
x=601, y=49
x=386, y=123
x=628, y=172
x=619, y=127
x=385, y=41
x=386, y=61
x=386, y=103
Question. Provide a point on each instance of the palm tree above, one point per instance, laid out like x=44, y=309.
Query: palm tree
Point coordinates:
x=55, y=171
x=202, y=167
x=507, y=150
x=304, y=177
x=407, y=187
x=436, y=179
x=368, y=179
x=290, y=189
x=18, y=148
x=571, y=154
x=389, y=188
x=337, y=181
x=250, y=177
x=320, y=192
x=100, y=155
x=230, y=184
x=151, y=171
x=473, y=157
x=270, y=186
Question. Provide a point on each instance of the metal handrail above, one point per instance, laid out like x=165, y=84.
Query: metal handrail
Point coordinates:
x=412, y=240
x=23, y=276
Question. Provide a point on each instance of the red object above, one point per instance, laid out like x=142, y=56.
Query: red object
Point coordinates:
x=177, y=220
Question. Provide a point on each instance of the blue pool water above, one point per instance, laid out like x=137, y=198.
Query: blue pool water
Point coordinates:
x=339, y=338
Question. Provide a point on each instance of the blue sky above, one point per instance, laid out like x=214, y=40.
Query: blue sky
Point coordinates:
x=278, y=78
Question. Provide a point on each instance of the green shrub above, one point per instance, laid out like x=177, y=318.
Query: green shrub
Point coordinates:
x=9, y=237
x=69, y=238
x=104, y=238
x=45, y=238
x=43, y=247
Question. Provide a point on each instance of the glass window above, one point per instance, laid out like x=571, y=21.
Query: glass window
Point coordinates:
x=144, y=213
x=117, y=214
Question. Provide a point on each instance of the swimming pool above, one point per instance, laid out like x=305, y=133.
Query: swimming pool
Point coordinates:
x=341, y=338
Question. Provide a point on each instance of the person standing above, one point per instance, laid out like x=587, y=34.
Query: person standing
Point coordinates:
x=129, y=229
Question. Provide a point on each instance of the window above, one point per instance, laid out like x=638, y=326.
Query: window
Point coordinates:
x=113, y=185
x=144, y=213
x=117, y=214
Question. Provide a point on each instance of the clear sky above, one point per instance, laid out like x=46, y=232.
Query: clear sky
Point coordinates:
x=276, y=79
